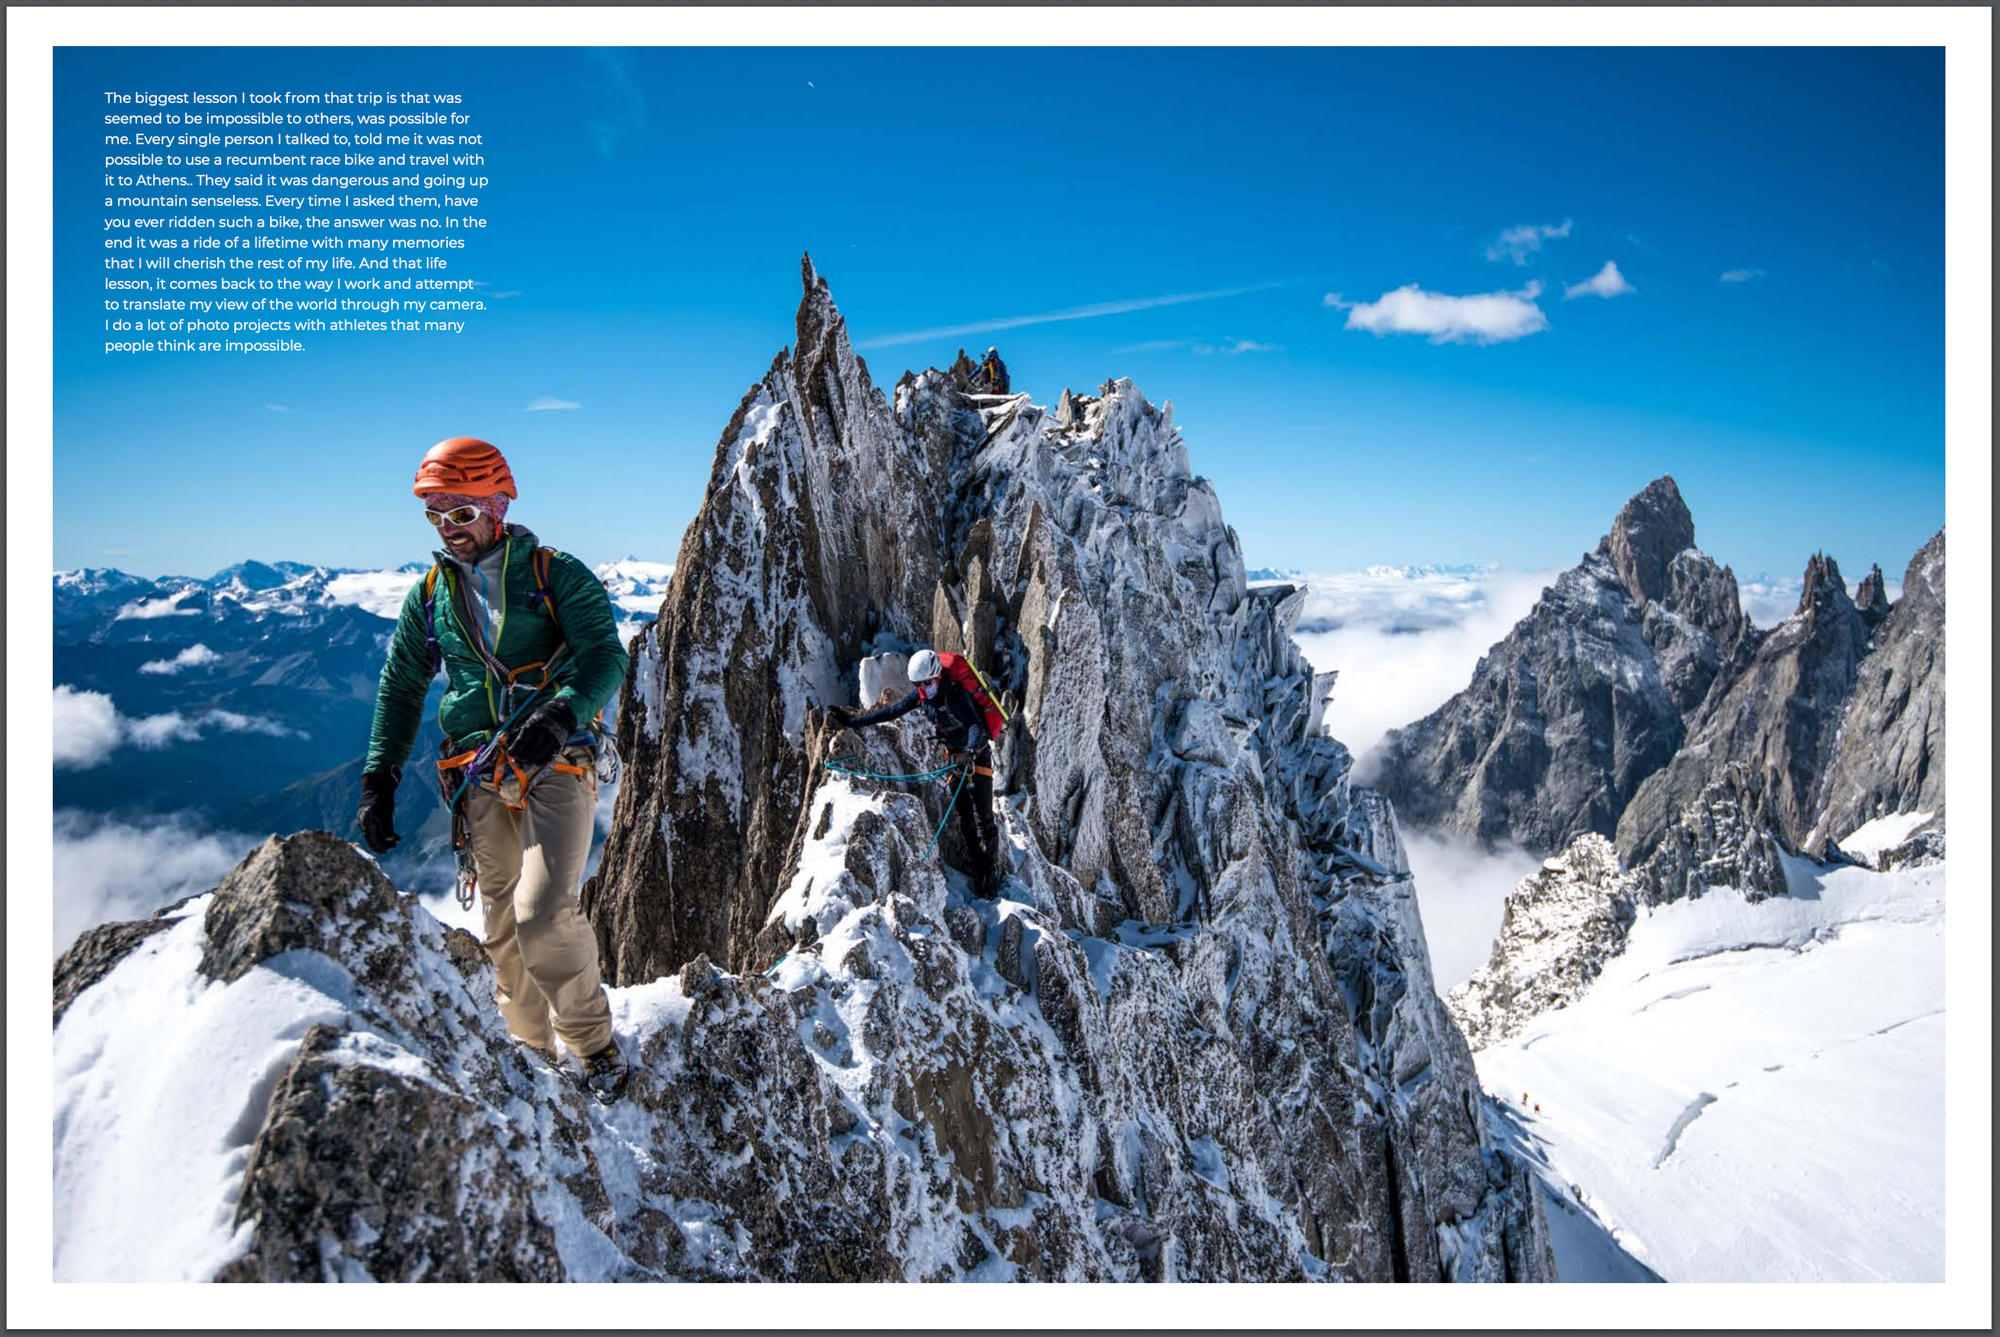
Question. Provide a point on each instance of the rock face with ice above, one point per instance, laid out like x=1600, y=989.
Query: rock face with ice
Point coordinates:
x=1195, y=1037
x=1196, y=888
x=1890, y=750
x=1585, y=698
x=1780, y=714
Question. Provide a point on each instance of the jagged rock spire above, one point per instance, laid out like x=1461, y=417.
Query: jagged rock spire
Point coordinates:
x=1823, y=590
x=1651, y=529
x=1872, y=599
x=1165, y=766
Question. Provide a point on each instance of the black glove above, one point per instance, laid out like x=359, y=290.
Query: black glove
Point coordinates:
x=539, y=737
x=840, y=717
x=378, y=809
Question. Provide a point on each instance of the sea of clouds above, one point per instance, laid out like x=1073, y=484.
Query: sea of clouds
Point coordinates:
x=1403, y=640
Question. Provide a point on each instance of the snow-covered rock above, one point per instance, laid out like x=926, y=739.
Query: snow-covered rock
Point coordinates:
x=1206, y=960
x=1563, y=925
x=300, y=1076
x=1196, y=1037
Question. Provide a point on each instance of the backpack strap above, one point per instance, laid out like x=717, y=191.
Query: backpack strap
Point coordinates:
x=430, y=618
x=542, y=598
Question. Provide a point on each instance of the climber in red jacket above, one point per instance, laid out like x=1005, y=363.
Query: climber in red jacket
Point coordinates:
x=967, y=720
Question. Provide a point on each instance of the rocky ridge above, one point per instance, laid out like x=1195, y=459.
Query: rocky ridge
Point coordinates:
x=1889, y=750
x=1779, y=713
x=1636, y=683
x=1196, y=1037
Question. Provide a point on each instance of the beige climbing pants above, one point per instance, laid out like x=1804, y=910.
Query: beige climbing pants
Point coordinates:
x=530, y=867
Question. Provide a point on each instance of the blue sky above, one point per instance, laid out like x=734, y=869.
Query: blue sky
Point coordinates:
x=650, y=206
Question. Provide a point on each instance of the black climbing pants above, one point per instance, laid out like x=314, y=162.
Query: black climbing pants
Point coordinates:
x=975, y=816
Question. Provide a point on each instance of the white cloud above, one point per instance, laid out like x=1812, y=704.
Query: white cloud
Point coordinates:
x=377, y=592
x=192, y=657
x=1606, y=282
x=88, y=728
x=1095, y=309
x=170, y=606
x=108, y=870
x=1233, y=347
x=1461, y=895
x=1741, y=275
x=549, y=403
x=1520, y=243
x=1227, y=348
x=279, y=408
x=1404, y=639
x=1482, y=318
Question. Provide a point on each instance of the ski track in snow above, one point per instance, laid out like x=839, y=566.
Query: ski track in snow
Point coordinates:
x=1792, y=1052
x=1668, y=998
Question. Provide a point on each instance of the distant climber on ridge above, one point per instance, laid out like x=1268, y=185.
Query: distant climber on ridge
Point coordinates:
x=967, y=720
x=530, y=651
x=992, y=378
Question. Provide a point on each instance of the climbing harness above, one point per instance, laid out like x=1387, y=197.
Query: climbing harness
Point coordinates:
x=961, y=768
x=494, y=752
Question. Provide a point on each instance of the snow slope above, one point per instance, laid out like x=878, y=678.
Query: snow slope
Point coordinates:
x=1753, y=1092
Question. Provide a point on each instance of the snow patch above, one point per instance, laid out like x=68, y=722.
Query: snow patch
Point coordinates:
x=1867, y=841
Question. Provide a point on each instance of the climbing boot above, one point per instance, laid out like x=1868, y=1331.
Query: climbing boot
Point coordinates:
x=605, y=1074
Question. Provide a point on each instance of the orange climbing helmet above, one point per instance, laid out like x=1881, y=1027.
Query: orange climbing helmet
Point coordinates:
x=467, y=466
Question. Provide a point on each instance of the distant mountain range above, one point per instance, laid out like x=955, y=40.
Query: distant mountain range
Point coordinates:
x=243, y=699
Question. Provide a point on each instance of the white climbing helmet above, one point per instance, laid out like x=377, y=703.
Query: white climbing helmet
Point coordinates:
x=924, y=666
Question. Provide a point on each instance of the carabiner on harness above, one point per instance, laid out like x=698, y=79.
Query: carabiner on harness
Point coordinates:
x=465, y=877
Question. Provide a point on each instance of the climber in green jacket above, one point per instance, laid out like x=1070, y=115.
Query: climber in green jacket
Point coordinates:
x=529, y=647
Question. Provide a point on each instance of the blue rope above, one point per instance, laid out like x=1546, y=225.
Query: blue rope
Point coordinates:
x=840, y=768
x=964, y=768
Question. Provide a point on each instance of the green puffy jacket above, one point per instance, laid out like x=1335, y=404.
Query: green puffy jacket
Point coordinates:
x=472, y=703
